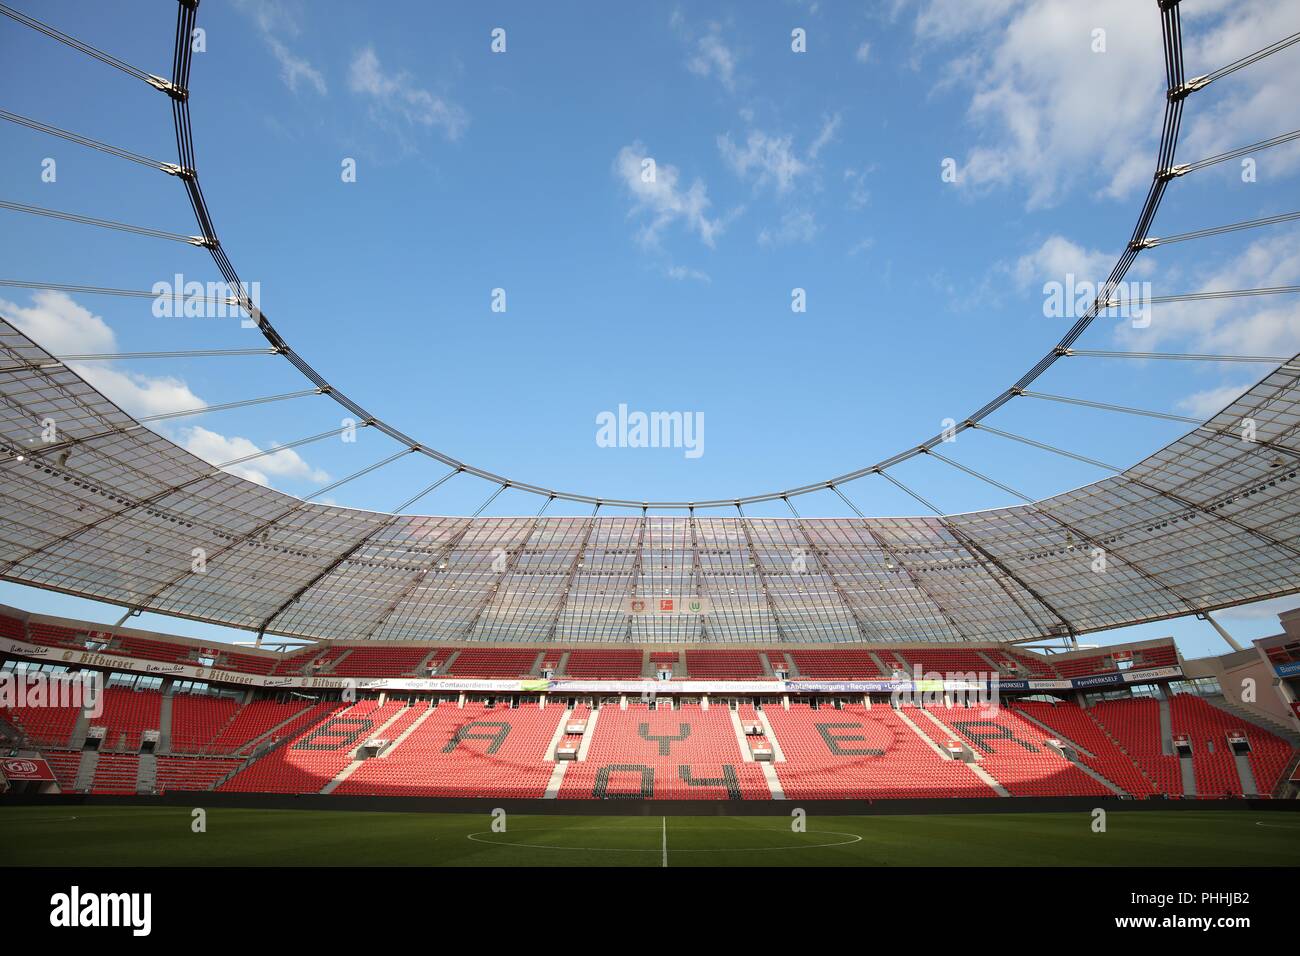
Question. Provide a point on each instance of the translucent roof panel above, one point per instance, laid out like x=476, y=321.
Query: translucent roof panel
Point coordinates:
x=106, y=509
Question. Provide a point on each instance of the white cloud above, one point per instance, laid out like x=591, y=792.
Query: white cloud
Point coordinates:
x=684, y=272
x=1058, y=257
x=1051, y=113
x=62, y=326
x=859, y=195
x=710, y=56
x=863, y=53
x=275, y=19
x=1211, y=401
x=773, y=160
x=661, y=200
x=216, y=448
x=797, y=225
x=1253, y=325
x=768, y=159
x=398, y=95
x=830, y=126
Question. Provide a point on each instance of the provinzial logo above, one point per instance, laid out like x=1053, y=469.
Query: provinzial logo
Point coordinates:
x=76, y=909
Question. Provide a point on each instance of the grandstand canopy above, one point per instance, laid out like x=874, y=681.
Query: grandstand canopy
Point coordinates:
x=113, y=511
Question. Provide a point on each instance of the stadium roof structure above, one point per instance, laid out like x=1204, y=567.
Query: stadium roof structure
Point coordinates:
x=112, y=511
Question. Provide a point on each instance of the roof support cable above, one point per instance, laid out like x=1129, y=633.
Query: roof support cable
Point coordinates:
x=82, y=47
x=984, y=558
x=132, y=293
x=1184, y=168
x=275, y=449
x=1052, y=448
x=491, y=498
x=357, y=474
x=982, y=477
x=757, y=565
x=185, y=413
x=826, y=568
x=428, y=488
x=1152, y=242
x=574, y=567
x=170, y=168
x=1106, y=407
x=902, y=487
x=192, y=353
x=1184, y=357
x=101, y=223
x=1200, y=82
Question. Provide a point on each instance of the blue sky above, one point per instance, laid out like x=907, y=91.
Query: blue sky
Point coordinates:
x=775, y=170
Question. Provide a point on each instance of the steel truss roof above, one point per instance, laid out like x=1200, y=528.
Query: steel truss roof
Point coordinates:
x=1210, y=521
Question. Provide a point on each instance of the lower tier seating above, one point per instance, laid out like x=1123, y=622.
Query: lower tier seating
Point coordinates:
x=1015, y=753
x=192, y=773
x=475, y=751
x=861, y=753
x=663, y=754
x=1103, y=755
x=1135, y=726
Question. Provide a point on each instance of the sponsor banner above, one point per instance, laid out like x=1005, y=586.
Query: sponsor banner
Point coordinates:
x=667, y=686
x=533, y=685
x=1152, y=673
x=35, y=651
x=1128, y=677
x=1097, y=680
x=26, y=768
x=1290, y=669
x=1047, y=684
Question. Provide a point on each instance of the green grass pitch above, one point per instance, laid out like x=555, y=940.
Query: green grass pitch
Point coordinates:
x=162, y=836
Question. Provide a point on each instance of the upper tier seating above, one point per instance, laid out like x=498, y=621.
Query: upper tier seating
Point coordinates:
x=615, y=664
x=140, y=647
x=862, y=754
x=380, y=662
x=12, y=628
x=248, y=663
x=943, y=661
x=55, y=635
x=686, y=754
x=493, y=662
x=724, y=665
x=836, y=665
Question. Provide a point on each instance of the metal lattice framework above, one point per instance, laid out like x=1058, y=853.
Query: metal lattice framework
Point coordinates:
x=113, y=511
